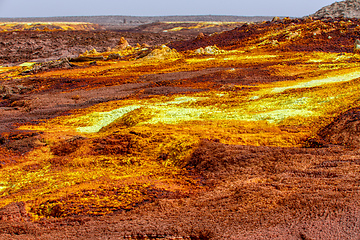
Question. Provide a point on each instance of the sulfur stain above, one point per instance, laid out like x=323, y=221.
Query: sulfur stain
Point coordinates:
x=320, y=82
x=99, y=120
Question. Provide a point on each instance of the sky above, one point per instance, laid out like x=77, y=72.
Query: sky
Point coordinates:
x=52, y=8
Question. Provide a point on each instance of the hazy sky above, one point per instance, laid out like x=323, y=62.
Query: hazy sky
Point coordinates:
x=43, y=8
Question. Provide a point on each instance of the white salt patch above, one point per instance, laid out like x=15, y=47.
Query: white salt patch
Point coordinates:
x=319, y=82
x=103, y=119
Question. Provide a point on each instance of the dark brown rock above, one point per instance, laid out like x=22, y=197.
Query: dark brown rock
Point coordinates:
x=113, y=56
x=39, y=67
x=14, y=212
x=344, y=130
x=67, y=147
x=114, y=144
x=276, y=19
x=200, y=36
x=86, y=59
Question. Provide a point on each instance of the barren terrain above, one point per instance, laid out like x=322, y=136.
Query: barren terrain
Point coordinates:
x=181, y=131
x=129, y=22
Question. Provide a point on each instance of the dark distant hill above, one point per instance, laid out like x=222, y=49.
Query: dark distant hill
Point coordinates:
x=347, y=9
x=118, y=22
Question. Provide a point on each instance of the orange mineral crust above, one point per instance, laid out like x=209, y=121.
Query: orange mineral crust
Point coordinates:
x=242, y=133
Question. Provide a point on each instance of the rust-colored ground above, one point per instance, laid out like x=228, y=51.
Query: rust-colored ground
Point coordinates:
x=254, y=138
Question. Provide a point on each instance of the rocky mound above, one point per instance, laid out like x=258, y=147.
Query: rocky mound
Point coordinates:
x=344, y=130
x=209, y=50
x=346, y=9
x=39, y=67
x=162, y=53
x=122, y=45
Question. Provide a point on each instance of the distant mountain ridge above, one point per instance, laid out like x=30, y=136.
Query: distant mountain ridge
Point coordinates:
x=140, y=19
x=126, y=21
x=346, y=9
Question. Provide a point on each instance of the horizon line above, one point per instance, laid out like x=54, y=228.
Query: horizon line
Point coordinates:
x=156, y=16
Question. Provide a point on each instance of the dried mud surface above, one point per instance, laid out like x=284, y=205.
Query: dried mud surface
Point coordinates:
x=243, y=192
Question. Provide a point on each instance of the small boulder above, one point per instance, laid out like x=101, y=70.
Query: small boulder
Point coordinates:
x=209, y=50
x=276, y=19
x=122, y=45
x=93, y=51
x=357, y=46
x=114, y=56
x=308, y=19
x=5, y=90
x=200, y=51
x=200, y=36
x=212, y=50
x=286, y=20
